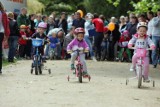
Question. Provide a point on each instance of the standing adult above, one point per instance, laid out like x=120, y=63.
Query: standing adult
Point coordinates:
x=156, y=37
x=78, y=21
x=113, y=42
x=150, y=16
x=87, y=37
x=4, y=31
x=13, y=38
x=31, y=19
x=99, y=26
x=23, y=19
x=62, y=22
x=131, y=27
x=38, y=20
x=122, y=24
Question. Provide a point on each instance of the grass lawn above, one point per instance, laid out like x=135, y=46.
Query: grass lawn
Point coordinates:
x=5, y=62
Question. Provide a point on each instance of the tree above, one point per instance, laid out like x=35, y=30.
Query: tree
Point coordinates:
x=106, y=7
x=145, y=5
x=61, y=5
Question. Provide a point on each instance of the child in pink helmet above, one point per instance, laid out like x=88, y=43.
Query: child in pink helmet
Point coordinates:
x=75, y=44
x=42, y=26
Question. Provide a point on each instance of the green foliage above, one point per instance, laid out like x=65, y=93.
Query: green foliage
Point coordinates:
x=61, y=5
x=34, y=6
x=107, y=7
x=144, y=5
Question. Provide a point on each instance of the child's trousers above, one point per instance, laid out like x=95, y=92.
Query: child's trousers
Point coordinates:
x=146, y=64
x=82, y=59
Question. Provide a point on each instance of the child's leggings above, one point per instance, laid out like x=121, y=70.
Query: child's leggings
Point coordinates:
x=82, y=59
x=146, y=64
x=127, y=51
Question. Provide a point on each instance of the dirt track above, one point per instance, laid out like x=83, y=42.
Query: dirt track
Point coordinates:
x=18, y=88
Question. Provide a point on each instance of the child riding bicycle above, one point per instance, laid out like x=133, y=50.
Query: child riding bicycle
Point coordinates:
x=40, y=34
x=141, y=41
x=75, y=44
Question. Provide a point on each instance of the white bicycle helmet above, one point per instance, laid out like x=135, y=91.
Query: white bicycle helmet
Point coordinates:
x=142, y=24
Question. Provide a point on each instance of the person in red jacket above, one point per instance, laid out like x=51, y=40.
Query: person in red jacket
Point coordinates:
x=99, y=26
x=22, y=41
x=4, y=31
x=123, y=42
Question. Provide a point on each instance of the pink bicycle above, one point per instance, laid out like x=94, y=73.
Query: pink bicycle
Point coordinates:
x=79, y=68
x=141, y=53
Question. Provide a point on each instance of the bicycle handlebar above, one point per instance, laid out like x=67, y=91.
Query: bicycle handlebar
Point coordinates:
x=79, y=51
x=140, y=48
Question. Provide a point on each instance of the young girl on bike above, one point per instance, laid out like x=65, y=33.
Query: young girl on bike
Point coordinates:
x=41, y=35
x=141, y=40
x=75, y=44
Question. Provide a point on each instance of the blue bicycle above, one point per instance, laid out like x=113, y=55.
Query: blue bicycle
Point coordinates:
x=37, y=58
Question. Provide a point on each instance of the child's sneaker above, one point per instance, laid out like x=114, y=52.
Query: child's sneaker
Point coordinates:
x=146, y=79
x=132, y=68
x=94, y=59
x=72, y=67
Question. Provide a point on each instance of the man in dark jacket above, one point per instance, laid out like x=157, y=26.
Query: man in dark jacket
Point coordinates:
x=62, y=22
x=78, y=22
x=131, y=27
x=13, y=38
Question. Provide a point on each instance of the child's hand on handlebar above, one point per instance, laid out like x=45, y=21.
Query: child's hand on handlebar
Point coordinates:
x=86, y=50
x=69, y=52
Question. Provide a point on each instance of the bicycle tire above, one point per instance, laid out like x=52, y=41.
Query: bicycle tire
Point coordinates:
x=79, y=73
x=139, y=74
x=36, y=65
x=40, y=69
x=40, y=65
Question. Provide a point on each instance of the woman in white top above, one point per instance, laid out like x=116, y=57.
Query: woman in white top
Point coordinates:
x=89, y=26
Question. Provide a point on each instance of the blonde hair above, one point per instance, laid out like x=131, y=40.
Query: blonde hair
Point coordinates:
x=10, y=15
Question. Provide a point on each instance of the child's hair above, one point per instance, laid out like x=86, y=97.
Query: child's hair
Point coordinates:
x=43, y=17
x=23, y=27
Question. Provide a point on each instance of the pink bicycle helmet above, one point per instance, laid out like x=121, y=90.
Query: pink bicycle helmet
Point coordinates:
x=125, y=32
x=79, y=30
x=42, y=25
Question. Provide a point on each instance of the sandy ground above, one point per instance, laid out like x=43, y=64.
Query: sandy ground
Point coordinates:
x=107, y=88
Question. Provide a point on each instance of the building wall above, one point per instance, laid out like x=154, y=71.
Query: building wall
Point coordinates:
x=14, y=5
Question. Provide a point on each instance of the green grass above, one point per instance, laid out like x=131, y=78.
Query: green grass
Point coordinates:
x=5, y=62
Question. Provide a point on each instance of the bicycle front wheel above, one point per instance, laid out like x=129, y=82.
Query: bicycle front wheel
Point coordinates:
x=36, y=65
x=139, y=76
x=79, y=68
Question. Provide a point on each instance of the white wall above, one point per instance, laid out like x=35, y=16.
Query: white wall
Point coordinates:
x=15, y=6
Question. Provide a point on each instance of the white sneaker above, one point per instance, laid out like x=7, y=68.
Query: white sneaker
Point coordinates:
x=147, y=80
x=132, y=68
x=94, y=59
